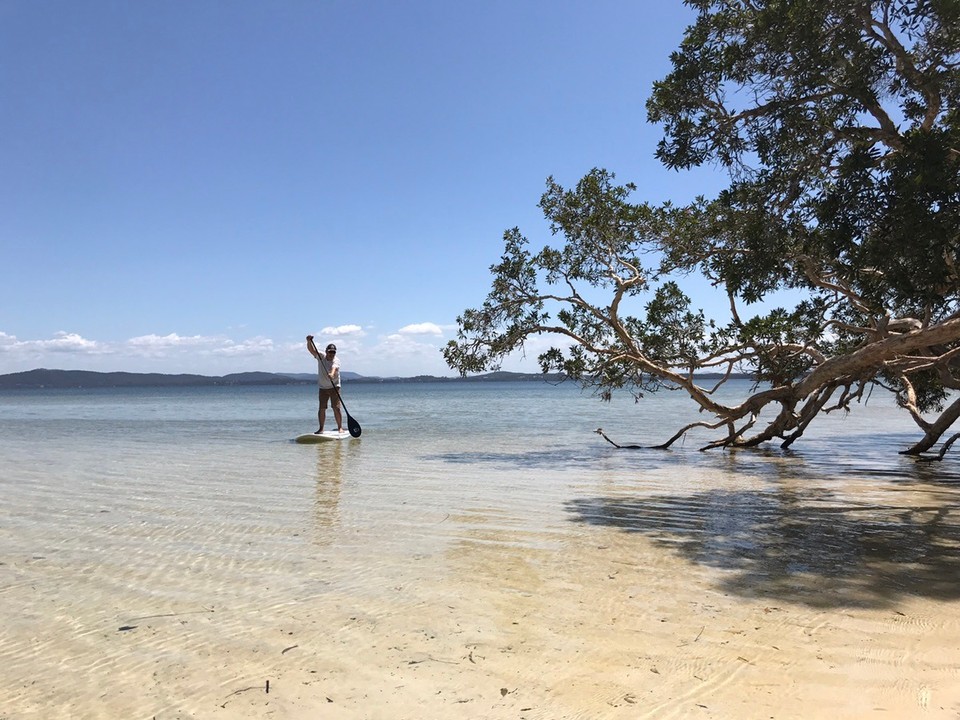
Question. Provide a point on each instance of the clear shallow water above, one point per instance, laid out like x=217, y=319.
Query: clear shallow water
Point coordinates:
x=127, y=509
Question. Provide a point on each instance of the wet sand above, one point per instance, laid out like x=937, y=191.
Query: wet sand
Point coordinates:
x=612, y=645
x=598, y=624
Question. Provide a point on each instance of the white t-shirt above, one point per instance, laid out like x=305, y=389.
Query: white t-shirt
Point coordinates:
x=331, y=366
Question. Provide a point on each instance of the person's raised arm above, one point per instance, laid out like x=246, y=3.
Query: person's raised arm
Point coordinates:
x=311, y=347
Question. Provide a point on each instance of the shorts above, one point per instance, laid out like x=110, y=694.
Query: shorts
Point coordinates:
x=328, y=395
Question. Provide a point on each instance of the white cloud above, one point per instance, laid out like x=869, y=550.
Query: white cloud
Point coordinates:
x=64, y=342
x=158, y=346
x=398, y=343
x=413, y=350
x=525, y=359
x=426, y=328
x=248, y=348
x=28, y=354
x=158, y=342
x=403, y=355
x=8, y=343
x=343, y=331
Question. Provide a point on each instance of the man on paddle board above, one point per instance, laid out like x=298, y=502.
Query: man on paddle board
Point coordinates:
x=328, y=376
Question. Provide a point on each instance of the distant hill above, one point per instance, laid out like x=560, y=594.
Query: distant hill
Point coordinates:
x=500, y=376
x=43, y=378
x=312, y=377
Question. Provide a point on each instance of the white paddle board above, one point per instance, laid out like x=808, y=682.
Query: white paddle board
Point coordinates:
x=325, y=436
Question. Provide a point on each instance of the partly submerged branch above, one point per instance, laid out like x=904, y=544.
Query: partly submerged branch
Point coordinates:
x=943, y=450
x=599, y=431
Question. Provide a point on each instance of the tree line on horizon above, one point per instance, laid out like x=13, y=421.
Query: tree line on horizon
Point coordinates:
x=44, y=378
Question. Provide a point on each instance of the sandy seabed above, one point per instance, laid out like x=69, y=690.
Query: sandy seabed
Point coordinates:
x=613, y=628
x=300, y=582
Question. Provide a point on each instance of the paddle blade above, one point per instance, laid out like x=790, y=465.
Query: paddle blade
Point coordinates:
x=354, y=427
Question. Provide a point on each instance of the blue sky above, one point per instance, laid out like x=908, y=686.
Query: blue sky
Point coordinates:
x=195, y=186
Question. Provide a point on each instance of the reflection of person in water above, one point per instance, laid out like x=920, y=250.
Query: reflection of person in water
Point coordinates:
x=326, y=506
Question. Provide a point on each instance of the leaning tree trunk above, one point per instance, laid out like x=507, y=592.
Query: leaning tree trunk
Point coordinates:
x=936, y=430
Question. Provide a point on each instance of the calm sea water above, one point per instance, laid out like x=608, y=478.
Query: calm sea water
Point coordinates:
x=120, y=505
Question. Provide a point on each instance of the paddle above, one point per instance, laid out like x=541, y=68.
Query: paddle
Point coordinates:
x=352, y=425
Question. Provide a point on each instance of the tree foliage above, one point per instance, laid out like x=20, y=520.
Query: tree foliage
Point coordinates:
x=838, y=124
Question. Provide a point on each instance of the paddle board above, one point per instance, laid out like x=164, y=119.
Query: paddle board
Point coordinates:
x=325, y=436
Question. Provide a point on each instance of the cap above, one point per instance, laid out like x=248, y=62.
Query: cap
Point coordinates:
x=331, y=346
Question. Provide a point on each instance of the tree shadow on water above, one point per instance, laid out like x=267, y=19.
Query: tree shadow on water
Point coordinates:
x=546, y=458
x=798, y=546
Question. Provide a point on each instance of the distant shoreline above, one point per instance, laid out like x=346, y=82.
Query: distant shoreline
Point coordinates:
x=42, y=378
x=77, y=379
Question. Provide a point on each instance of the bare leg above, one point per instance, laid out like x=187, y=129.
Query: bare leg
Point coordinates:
x=338, y=416
x=321, y=416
